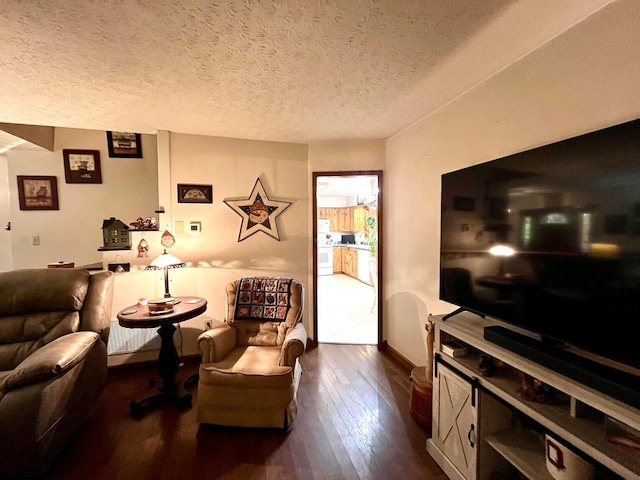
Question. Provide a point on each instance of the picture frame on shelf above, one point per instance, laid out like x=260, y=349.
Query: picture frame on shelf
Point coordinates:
x=38, y=192
x=82, y=166
x=124, y=145
x=189, y=193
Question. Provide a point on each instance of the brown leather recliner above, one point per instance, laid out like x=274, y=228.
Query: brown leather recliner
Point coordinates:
x=54, y=327
x=250, y=371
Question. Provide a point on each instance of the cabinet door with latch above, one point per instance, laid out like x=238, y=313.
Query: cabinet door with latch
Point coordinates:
x=455, y=428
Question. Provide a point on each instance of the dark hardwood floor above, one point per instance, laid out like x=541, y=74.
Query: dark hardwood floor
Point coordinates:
x=353, y=423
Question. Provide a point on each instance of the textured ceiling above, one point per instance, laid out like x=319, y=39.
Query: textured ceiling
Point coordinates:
x=284, y=70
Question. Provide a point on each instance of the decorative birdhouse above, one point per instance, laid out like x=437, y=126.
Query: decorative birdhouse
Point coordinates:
x=115, y=235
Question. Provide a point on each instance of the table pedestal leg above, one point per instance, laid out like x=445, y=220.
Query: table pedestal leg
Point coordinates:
x=168, y=364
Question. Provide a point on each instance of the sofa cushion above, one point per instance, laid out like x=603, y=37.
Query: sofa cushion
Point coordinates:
x=43, y=290
x=267, y=334
x=3, y=380
x=36, y=307
x=21, y=335
x=249, y=366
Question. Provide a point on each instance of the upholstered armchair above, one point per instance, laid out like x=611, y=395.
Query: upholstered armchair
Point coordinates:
x=250, y=370
x=54, y=326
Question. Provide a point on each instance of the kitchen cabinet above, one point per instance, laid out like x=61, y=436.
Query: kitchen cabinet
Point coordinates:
x=360, y=214
x=324, y=213
x=347, y=219
x=350, y=261
x=337, y=259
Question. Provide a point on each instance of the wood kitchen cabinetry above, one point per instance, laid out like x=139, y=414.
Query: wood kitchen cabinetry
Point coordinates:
x=331, y=214
x=324, y=213
x=350, y=261
x=345, y=222
x=353, y=262
x=337, y=259
x=360, y=214
x=346, y=219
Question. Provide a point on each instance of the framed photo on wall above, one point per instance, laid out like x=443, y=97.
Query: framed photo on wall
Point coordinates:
x=38, y=192
x=195, y=193
x=82, y=166
x=124, y=145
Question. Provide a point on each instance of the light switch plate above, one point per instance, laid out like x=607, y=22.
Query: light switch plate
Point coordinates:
x=195, y=227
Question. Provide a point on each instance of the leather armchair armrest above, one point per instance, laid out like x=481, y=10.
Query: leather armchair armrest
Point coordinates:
x=52, y=360
x=215, y=344
x=293, y=346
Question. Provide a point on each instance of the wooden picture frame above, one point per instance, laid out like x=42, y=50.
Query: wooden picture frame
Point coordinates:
x=82, y=166
x=124, y=145
x=38, y=192
x=188, y=193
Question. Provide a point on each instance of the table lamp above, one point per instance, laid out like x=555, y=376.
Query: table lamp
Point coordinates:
x=164, y=262
x=502, y=251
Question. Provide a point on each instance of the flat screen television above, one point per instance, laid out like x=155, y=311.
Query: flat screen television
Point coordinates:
x=549, y=240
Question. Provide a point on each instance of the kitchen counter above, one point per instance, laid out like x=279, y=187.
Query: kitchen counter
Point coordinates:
x=351, y=245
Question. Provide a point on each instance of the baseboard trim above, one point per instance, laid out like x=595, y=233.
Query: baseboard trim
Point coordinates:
x=393, y=353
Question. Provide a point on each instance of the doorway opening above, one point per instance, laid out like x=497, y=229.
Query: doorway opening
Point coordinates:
x=347, y=257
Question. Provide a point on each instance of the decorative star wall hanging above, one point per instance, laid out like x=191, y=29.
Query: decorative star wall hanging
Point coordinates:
x=258, y=212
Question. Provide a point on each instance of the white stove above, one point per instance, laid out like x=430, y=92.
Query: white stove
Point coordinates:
x=325, y=260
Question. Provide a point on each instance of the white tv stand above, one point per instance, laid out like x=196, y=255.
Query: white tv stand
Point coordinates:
x=481, y=425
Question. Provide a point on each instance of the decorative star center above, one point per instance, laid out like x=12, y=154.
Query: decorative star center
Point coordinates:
x=258, y=212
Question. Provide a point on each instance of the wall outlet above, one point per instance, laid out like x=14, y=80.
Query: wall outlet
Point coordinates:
x=35, y=240
x=208, y=324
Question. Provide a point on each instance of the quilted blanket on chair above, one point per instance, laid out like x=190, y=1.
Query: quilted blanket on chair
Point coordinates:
x=263, y=298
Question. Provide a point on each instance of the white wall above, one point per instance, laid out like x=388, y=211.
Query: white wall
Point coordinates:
x=346, y=155
x=6, y=258
x=583, y=80
x=215, y=256
x=74, y=232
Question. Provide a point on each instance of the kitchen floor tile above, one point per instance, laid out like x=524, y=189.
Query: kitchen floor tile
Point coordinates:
x=346, y=312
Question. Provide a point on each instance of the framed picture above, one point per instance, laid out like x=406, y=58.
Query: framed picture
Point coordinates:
x=82, y=166
x=124, y=145
x=38, y=193
x=195, y=193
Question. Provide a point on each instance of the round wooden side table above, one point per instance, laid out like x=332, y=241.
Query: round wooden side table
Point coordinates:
x=137, y=316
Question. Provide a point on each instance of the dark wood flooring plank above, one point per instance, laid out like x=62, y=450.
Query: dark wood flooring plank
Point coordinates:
x=353, y=423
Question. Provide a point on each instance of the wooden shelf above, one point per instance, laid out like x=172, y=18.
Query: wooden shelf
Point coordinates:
x=523, y=450
x=585, y=430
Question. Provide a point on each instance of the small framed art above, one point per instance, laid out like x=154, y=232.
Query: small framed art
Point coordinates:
x=124, y=145
x=82, y=166
x=195, y=193
x=38, y=192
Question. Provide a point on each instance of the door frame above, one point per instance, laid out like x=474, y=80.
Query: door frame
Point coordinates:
x=380, y=253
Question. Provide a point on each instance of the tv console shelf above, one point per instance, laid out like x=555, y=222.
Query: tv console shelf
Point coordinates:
x=506, y=431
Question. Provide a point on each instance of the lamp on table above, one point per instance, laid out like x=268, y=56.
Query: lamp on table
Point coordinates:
x=164, y=262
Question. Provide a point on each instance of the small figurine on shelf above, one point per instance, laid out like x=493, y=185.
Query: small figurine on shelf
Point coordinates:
x=137, y=224
x=142, y=224
x=486, y=365
x=150, y=224
x=534, y=390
